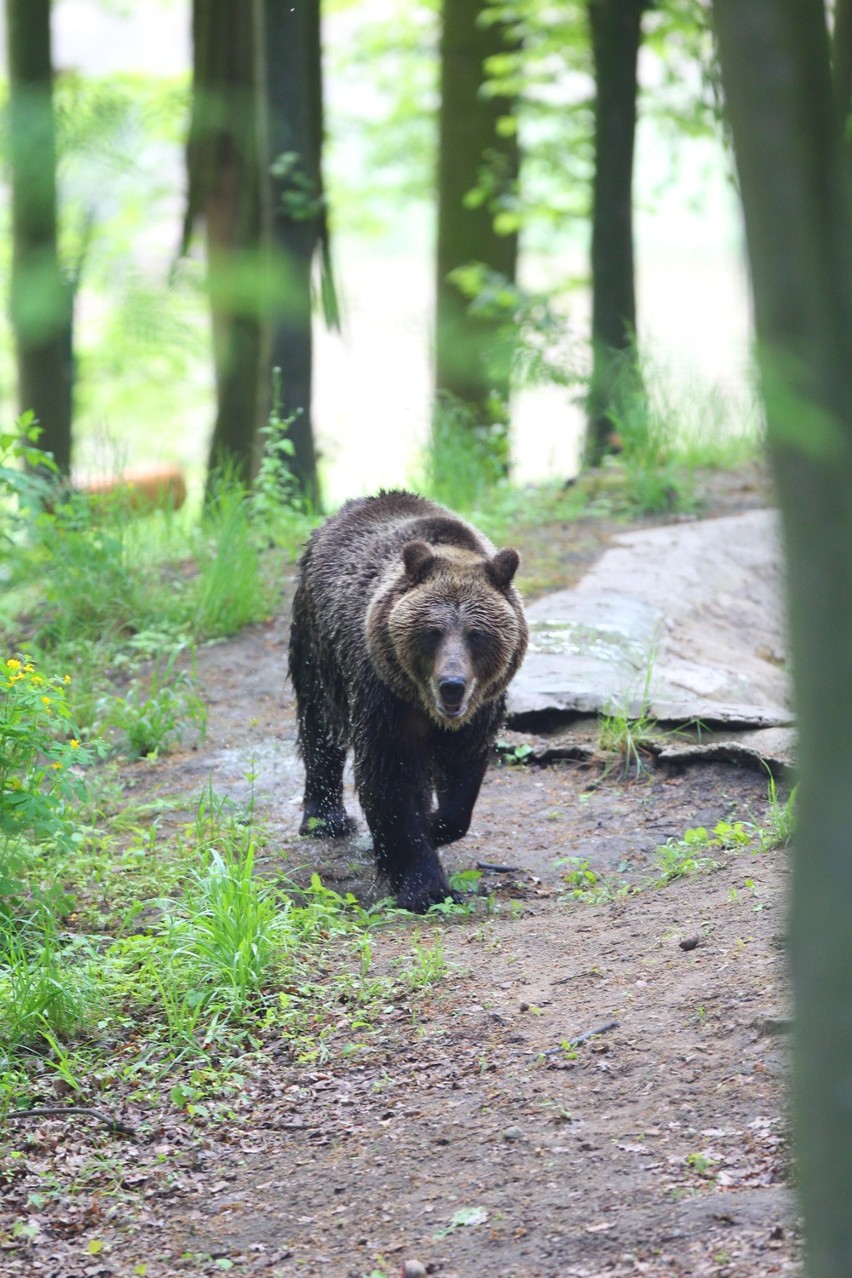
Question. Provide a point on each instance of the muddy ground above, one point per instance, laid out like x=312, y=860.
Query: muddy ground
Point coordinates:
x=464, y=1133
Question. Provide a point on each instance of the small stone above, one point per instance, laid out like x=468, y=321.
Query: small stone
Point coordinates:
x=513, y=1133
x=690, y=942
x=413, y=1269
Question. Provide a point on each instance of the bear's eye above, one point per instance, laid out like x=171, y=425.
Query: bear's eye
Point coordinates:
x=477, y=639
x=434, y=634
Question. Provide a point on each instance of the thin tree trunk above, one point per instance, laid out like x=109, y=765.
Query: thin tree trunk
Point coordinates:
x=777, y=80
x=294, y=88
x=472, y=355
x=40, y=299
x=616, y=31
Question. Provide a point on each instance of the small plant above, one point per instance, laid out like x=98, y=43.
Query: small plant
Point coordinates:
x=230, y=591
x=781, y=826
x=225, y=938
x=626, y=733
x=514, y=755
x=429, y=966
x=46, y=990
x=587, y=885
x=41, y=756
x=678, y=857
x=466, y=881
x=464, y=457
x=274, y=488
x=155, y=720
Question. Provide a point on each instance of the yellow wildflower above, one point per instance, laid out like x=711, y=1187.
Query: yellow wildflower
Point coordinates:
x=74, y=743
x=13, y=664
x=57, y=767
x=47, y=700
x=67, y=679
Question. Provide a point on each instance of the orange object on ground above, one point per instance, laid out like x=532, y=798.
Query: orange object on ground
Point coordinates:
x=142, y=488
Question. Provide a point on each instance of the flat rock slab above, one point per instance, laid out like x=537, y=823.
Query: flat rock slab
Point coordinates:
x=684, y=623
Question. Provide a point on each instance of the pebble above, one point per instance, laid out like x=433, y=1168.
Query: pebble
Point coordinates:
x=413, y=1269
x=513, y=1133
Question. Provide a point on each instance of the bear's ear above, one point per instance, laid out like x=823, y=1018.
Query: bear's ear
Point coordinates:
x=502, y=568
x=419, y=561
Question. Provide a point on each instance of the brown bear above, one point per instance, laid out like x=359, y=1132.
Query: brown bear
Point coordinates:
x=406, y=631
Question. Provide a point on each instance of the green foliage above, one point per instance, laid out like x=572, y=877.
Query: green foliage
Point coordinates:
x=781, y=826
x=465, y=458
x=48, y=991
x=157, y=713
x=590, y=886
x=225, y=936
x=230, y=591
x=687, y=855
x=41, y=758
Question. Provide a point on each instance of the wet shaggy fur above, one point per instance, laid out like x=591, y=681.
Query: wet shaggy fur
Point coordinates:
x=406, y=631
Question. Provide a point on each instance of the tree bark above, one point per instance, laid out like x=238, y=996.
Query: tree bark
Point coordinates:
x=472, y=355
x=616, y=32
x=226, y=143
x=294, y=92
x=40, y=298
x=777, y=79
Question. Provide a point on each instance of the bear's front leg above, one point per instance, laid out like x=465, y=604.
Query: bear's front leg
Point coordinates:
x=394, y=785
x=457, y=785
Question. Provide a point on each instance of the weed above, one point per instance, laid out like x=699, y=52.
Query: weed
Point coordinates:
x=627, y=732
x=230, y=591
x=429, y=966
x=781, y=826
x=466, y=881
x=514, y=754
x=41, y=760
x=587, y=885
x=153, y=721
x=687, y=855
x=48, y=991
x=464, y=457
x=225, y=938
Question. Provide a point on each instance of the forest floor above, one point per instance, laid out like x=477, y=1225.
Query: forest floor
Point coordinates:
x=469, y=1130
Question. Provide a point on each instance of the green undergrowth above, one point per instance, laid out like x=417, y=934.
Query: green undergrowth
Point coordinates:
x=133, y=964
x=697, y=851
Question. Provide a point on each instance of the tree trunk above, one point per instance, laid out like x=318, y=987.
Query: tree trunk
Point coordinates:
x=226, y=142
x=294, y=91
x=40, y=298
x=472, y=355
x=616, y=32
x=778, y=86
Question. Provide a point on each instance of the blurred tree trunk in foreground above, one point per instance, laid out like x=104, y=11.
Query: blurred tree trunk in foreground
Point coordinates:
x=40, y=298
x=472, y=351
x=777, y=79
x=616, y=32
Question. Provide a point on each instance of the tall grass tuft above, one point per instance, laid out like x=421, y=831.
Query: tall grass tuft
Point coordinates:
x=230, y=591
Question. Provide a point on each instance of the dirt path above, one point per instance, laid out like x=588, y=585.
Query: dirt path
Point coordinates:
x=463, y=1132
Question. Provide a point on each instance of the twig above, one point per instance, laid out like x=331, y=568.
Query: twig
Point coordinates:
x=63, y=1111
x=581, y=1038
x=497, y=869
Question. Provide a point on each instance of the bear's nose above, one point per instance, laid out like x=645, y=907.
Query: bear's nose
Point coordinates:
x=452, y=692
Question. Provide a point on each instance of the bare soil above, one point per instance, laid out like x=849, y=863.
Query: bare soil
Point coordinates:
x=466, y=1132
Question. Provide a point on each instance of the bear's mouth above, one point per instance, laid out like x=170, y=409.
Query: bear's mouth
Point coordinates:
x=452, y=698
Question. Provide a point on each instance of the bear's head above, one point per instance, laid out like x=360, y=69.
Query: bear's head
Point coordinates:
x=448, y=631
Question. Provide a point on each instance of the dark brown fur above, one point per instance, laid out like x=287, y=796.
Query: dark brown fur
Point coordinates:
x=406, y=631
